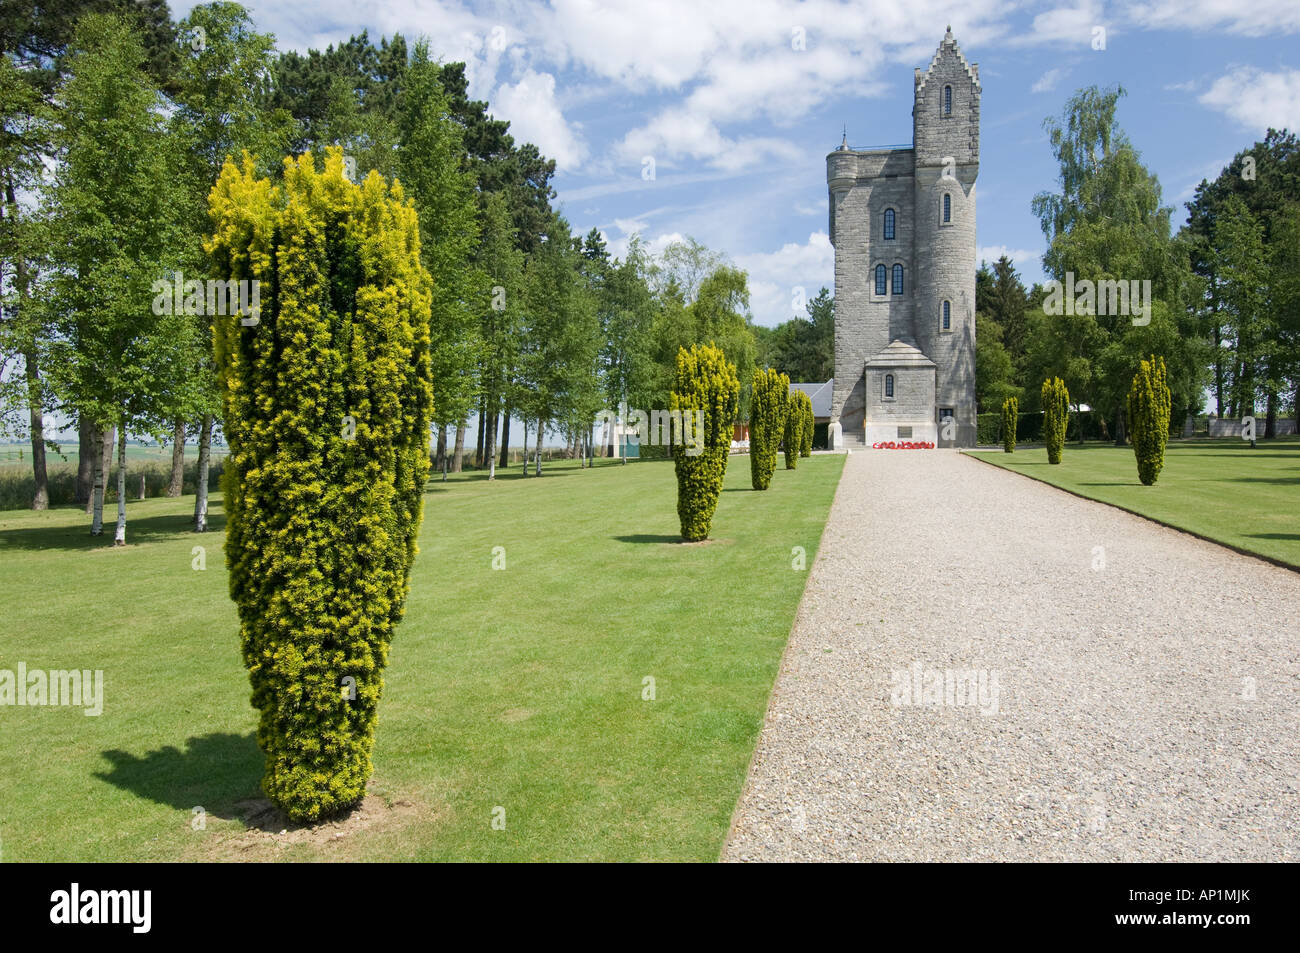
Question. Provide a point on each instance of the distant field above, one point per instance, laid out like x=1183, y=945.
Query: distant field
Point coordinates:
x=15, y=454
x=1220, y=489
x=17, y=485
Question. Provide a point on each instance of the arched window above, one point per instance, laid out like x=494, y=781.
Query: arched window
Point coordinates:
x=898, y=279
x=889, y=224
x=947, y=100
x=889, y=386
x=947, y=315
x=947, y=207
x=880, y=280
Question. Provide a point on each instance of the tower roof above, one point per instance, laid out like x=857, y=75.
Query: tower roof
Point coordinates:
x=948, y=45
x=901, y=354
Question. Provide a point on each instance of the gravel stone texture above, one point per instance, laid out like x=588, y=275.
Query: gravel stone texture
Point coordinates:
x=1147, y=687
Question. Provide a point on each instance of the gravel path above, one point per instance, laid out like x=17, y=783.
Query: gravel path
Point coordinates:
x=1147, y=692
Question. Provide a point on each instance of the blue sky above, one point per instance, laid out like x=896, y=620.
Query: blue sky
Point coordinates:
x=739, y=121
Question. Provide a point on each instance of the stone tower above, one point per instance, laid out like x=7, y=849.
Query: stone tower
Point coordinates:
x=902, y=221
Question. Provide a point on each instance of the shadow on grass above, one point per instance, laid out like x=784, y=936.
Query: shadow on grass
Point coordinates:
x=149, y=529
x=649, y=538
x=1274, y=535
x=215, y=772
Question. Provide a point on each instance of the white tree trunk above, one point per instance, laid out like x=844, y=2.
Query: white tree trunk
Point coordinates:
x=201, y=490
x=97, y=490
x=119, y=535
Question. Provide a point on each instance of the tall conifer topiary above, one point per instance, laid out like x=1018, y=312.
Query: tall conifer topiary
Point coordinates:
x=1056, y=411
x=1010, y=416
x=706, y=382
x=809, y=425
x=1148, y=414
x=792, y=438
x=327, y=400
x=770, y=396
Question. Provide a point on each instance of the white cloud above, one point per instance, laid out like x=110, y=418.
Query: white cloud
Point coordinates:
x=1048, y=81
x=1255, y=99
x=1071, y=26
x=534, y=117
x=1028, y=262
x=1186, y=87
x=779, y=280
x=1255, y=18
x=629, y=225
x=678, y=133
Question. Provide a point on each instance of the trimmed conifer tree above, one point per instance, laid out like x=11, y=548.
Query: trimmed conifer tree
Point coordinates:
x=809, y=426
x=705, y=382
x=1056, y=412
x=327, y=398
x=1010, y=416
x=792, y=438
x=769, y=398
x=1148, y=414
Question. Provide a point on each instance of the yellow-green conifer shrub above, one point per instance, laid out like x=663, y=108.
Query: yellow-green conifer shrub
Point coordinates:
x=327, y=400
x=706, y=382
x=1148, y=414
x=1056, y=411
x=1010, y=415
x=792, y=439
x=770, y=396
x=809, y=425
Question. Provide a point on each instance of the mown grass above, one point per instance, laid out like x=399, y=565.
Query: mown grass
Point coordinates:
x=519, y=688
x=1220, y=489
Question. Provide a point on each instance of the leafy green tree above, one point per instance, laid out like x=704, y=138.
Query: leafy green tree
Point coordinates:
x=350, y=95
x=432, y=168
x=326, y=406
x=113, y=214
x=706, y=384
x=1265, y=179
x=518, y=171
x=994, y=374
x=557, y=373
x=1001, y=297
x=1148, y=409
x=25, y=129
x=1241, y=269
x=804, y=349
x=1107, y=223
x=501, y=313
x=809, y=425
x=222, y=82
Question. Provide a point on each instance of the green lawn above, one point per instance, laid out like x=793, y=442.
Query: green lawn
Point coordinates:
x=519, y=688
x=1220, y=489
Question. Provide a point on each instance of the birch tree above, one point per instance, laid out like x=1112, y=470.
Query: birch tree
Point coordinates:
x=113, y=214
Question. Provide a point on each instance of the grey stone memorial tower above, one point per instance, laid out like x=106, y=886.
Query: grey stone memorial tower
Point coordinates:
x=902, y=221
